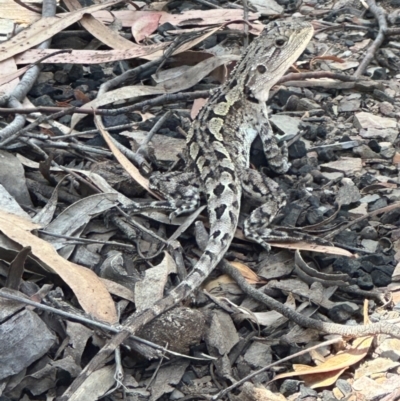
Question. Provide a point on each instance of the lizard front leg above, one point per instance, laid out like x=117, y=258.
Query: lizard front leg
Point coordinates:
x=278, y=158
x=261, y=189
x=179, y=189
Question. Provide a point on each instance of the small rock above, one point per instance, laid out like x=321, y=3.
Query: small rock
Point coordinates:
x=341, y=313
x=42, y=89
x=348, y=193
x=387, y=150
x=380, y=278
x=297, y=150
x=359, y=211
x=386, y=108
x=346, y=265
x=389, y=134
x=377, y=259
x=287, y=126
x=370, y=198
x=379, y=204
x=258, y=355
x=289, y=387
x=349, y=105
x=390, y=217
x=75, y=71
x=332, y=176
x=307, y=393
x=390, y=348
x=374, y=145
x=326, y=154
x=382, y=96
x=44, y=100
x=221, y=334
x=365, y=152
x=364, y=281
x=369, y=233
x=366, y=180
x=96, y=72
x=367, y=120
x=45, y=77
x=348, y=166
x=370, y=245
x=379, y=74
x=61, y=77
x=347, y=237
x=344, y=386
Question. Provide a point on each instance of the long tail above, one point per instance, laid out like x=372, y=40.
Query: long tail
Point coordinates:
x=223, y=205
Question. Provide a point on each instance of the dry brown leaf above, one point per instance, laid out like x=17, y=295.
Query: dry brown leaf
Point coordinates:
x=106, y=35
x=5, y=79
x=396, y=158
x=223, y=279
x=92, y=56
x=99, y=30
x=79, y=95
x=44, y=29
x=305, y=246
x=8, y=75
x=123, y=160
x=145, y=25
x=118, y=289
x=247, y=273
x=331, y=58
x=197, y=105
x=88, y=288
x=123, y=93
x=330, y=368
x=20, y=15
x=194, y=74
x=103, y=56
x=191, y=17
x=65, y=103
x=170, y=86
x=324, y=379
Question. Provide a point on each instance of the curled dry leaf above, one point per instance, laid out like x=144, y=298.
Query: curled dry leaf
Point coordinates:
x=326, y=373
x=123, y=160
x=88, y=288
x=304, y=246
x=247, y=273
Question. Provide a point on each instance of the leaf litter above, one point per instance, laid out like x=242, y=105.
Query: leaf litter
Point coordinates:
x=107, y=267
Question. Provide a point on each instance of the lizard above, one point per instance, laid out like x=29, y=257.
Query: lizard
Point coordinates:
x=218, y=151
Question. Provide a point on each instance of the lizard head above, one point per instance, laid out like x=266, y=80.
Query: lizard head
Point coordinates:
x=271, y=54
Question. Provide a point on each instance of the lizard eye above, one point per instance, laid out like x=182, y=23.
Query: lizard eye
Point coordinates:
x=279, y=42
x=261, y=68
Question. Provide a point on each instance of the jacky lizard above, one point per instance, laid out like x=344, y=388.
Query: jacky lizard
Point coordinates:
x=218, y=148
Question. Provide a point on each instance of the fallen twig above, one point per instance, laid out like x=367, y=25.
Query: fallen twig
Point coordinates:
x=379, y=14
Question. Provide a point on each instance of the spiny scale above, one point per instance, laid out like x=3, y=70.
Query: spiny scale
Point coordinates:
x=218, y=148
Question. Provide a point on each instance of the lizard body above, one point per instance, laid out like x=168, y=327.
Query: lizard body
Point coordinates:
x=218, y=149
